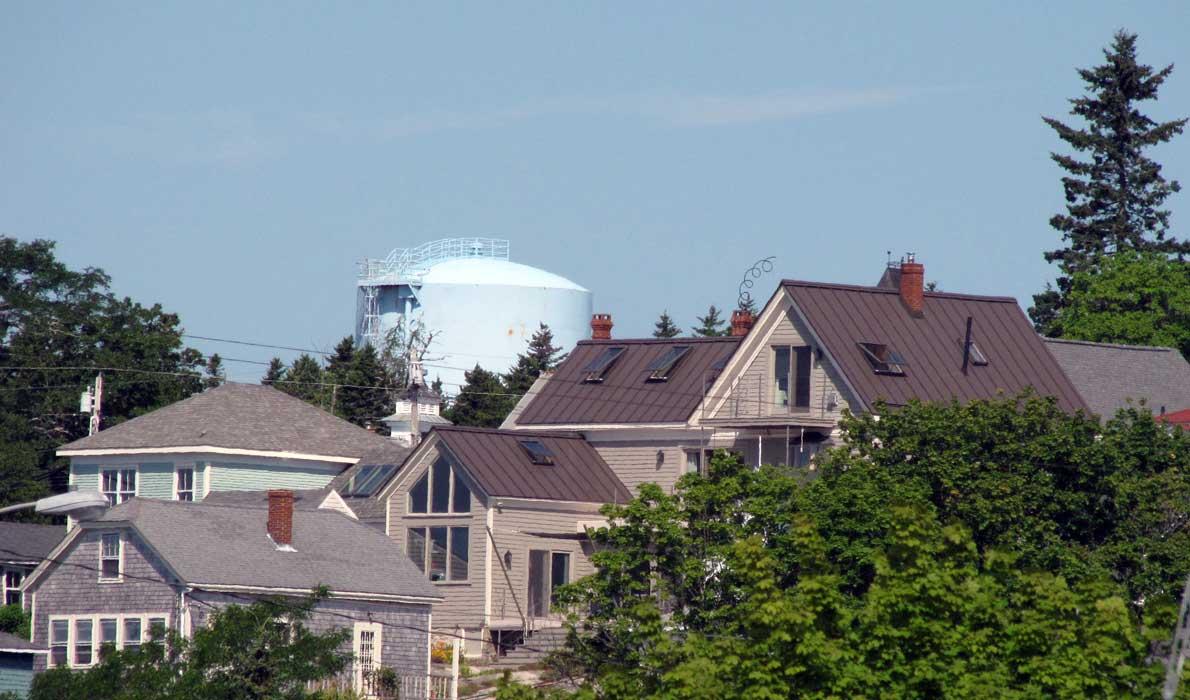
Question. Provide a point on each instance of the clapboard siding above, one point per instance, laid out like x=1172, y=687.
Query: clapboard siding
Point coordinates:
x=638, y=462
x=512, y=530
x=751, y=395
x=16, y=673
x=155, y=480
x=228, y=476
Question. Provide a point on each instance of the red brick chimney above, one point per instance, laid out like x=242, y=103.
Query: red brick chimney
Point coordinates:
x=741, y=322
x=601, y=327
x=281, y=517
x=912, y=285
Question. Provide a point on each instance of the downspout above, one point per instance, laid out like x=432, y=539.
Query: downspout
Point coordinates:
x=508, y=580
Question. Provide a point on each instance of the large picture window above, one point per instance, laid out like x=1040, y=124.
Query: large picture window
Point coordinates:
x=80, y=640
x=443, y=553
x=440, y=491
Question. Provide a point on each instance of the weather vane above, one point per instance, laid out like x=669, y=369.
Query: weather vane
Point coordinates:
x=758, y=268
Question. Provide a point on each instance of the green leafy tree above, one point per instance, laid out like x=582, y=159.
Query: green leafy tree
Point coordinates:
x=1114, y=197
x=481, y=402
x=14, y=620
x=262, y=651
x=54, y=320
x=711, y=325
x=541, y=356
x=665, y=327
x=275, y=372
x=1133, y=298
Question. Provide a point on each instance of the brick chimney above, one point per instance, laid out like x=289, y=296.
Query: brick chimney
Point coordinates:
x=280, y=524
x=912, y=285
x=601, y=327
x=741, y=322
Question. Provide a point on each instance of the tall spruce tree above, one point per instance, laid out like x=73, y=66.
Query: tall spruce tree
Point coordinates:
x=275, y=372
x=215, y=374
x=304, y=380
x=711, y=325
x=541, y=356
x=665, y=327
x=361, y=386
x=1114, y=196
x=482, y=402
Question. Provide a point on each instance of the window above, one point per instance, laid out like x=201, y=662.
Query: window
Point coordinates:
x=441, y=490
x=12, y=584
x=791, y=376
x=118, y=484
x=368, y=479
x=110, y=550
x=366, y=656
x=660, y=369
x=559, y=574
x=156, y=627
x=108, y=640
x=597, y=368
x=448, y=554
x=693, y=461
x=185, y=484
x=59, y=642
x=82, y=642
x=883, y=359
x=132, y=632
x=538, y=453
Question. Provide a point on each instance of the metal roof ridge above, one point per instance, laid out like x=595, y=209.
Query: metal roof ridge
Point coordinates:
x=882, y=290
x=662, y=341
x=567, y=435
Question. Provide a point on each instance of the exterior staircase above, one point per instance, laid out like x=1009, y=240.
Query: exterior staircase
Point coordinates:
x=536, y=647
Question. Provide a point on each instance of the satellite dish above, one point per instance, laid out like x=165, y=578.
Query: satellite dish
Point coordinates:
x=80, y=505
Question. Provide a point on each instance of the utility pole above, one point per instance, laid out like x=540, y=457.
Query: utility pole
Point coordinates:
x=92, y=402
x=413, y=394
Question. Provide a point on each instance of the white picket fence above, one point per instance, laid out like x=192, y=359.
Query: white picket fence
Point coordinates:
x=438, y=685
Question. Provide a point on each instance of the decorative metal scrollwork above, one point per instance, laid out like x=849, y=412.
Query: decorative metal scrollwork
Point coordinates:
x=760, y=267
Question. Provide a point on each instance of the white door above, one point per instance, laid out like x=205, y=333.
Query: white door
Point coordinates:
x=366, y=649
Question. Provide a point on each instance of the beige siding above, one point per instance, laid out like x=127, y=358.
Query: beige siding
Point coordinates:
x=511, y=532
x=638, y=462
x=752, y=395
x=464, y=601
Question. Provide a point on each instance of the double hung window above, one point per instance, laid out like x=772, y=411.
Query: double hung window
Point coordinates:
x=184, y=484
x=111, y=551
x=118, y=484
x=12, y=584
x=791, y=377
x=79, y=641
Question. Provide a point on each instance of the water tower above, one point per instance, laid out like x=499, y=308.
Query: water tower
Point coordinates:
x=482, y=307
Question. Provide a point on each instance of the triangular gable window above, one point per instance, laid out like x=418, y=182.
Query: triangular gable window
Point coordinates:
x=883, y=359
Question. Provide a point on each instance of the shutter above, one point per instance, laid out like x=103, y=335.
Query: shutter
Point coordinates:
x=802, y=386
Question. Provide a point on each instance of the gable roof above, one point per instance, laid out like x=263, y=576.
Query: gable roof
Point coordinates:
x=842, y=316
x=1108, y=375
x=224, y=545
x=241, y=417
x=624, y=396
x=27, y=543
x=500, y=466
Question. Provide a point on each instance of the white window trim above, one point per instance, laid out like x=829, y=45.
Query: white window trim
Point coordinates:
x=95, y=634
x=377, y=646
x=120, y=557
x=119, y=469
x=177, y=469
x=4, y=589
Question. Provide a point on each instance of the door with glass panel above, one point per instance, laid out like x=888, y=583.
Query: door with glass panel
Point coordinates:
x=547, y=572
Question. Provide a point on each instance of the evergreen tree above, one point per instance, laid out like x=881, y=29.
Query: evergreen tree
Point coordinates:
x=436, y=387
x=482, y=402
x=275, y=372
x=303, y=379
x=215, y=374
x=361, y=385
x=748, y=304
x=1114, y=197
x=711, y=325
x=665, y=327
x=542, y=356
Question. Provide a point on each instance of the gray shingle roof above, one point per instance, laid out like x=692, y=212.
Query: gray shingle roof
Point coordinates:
x=1109, y=375
x=13, y=643
x=26, y=543
x=238, y=416
x=228, y=545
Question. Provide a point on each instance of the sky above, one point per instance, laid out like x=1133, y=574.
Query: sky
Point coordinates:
x=234, y=161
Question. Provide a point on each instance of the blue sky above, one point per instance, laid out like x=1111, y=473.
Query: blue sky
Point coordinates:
x=234, y=160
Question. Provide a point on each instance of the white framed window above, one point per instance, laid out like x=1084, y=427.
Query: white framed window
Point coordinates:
x=184, y=484
x=441, y=552
x=79, y=641
x=366, y=653
x=111, y=557
x=118, y=484
x=12, y=586
x=439, y=491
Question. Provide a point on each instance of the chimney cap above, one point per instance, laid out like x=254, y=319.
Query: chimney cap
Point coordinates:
x=601, y=326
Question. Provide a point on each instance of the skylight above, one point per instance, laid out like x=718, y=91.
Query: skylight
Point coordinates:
x=600, y=365
x=662, y=366
x=368, y=479
x=538, y=453
x=884, y=360
x=977, y=356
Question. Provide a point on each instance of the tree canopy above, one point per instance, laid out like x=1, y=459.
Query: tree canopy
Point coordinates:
x=541, y=355
x=665, y=327
x=1115, y=194
x=711, y=325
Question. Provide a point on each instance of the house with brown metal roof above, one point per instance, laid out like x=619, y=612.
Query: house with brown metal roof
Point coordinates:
x=497, y=520
x=775, y=391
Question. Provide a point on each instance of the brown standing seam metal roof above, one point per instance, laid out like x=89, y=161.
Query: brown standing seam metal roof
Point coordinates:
x=843, y=316
x=501, y=467
x=624, y=396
